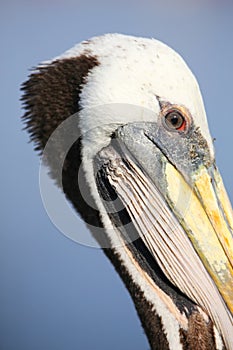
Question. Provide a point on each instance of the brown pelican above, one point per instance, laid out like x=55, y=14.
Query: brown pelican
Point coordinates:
x=155, y=200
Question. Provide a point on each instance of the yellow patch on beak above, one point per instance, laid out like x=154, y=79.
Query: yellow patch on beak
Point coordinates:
x=218, y=209
x=205, y=213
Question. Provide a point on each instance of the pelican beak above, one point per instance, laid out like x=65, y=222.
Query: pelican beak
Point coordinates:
x=205, y=213
x=193, y=190
x=178, y=205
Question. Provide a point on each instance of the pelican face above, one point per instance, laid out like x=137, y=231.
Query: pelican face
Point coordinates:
x=147, y=160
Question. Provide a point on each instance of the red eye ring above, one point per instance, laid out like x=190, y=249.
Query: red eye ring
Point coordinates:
x=174, y=120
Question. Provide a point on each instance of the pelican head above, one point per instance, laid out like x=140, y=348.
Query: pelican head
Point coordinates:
x=147, y=160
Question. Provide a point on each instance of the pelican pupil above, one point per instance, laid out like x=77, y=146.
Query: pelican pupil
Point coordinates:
x=174, y=120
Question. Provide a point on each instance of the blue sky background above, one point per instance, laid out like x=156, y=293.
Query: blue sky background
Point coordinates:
x=55, y=293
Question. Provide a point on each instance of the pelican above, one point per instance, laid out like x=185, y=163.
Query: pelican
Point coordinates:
x=143, y=177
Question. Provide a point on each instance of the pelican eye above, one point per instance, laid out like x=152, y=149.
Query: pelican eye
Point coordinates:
x=174, y=120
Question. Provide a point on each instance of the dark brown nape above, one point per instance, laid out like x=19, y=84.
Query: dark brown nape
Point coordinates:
x=50, y=95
